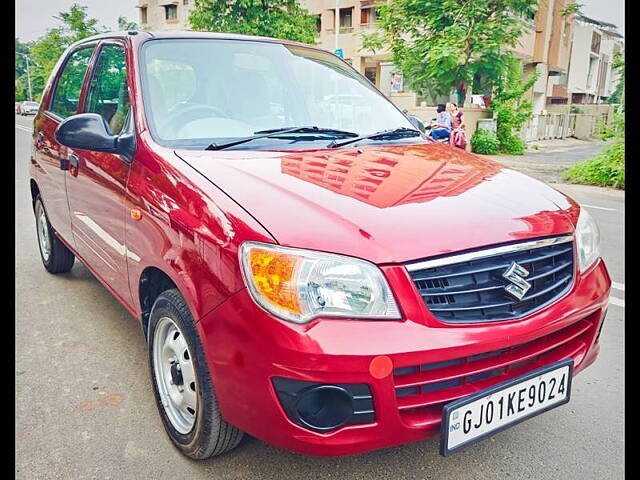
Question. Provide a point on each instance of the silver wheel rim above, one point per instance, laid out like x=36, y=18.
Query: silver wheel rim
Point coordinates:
x=175, y=375
x=43, y=232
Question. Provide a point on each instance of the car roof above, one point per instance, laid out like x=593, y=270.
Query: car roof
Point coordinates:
x=188, y=34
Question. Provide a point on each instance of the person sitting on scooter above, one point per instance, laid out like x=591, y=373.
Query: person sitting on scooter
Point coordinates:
x=441, y=128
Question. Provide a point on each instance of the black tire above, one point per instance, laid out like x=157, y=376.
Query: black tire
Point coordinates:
x=60, y=259
x=210, y=435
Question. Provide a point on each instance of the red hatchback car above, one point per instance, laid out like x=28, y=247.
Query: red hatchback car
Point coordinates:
x=306, y=266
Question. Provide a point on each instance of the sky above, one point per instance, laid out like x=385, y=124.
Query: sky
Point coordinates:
x=611, y=11
x=33, y=17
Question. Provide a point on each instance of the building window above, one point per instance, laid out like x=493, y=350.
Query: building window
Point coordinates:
x=368, y=15
x=171, y=12
x=143, y=15
x=566, y=33
x=346, y=19
x=370, y=73
x=365, y=13
x=185, y=2
x=595, y=42
x=318, y=23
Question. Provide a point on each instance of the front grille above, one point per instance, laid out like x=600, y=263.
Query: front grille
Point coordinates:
x=422, y=390
x=473, y=290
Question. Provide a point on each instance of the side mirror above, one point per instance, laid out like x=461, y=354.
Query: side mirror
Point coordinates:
x=86, y=131
x=89, y=131
x=416, y=122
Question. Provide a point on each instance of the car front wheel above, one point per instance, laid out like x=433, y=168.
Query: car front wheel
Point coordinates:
x=182, y=382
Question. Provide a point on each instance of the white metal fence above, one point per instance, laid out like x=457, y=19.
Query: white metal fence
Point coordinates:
x=550, y=125
x=561, y=125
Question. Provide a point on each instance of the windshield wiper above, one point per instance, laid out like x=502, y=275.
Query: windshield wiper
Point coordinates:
x=279, y=131
x=310, y=130
x=394, y=132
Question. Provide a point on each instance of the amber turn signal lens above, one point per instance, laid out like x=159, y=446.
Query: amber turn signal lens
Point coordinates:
x=273, y=274
x=136, y=214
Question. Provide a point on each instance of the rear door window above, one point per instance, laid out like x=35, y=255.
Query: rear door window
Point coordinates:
x=67, y=94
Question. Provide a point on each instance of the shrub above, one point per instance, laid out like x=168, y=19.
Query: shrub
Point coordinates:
x=484, y=142
x=510, y=143
x=606, y=169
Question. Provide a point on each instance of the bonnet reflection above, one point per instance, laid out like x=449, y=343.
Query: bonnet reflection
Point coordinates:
x=389, y=177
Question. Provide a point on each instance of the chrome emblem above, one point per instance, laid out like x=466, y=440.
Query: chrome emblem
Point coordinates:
x=518, y=286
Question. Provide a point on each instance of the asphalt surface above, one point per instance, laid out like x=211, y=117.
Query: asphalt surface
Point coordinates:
x=85, y=409
x=552, y=157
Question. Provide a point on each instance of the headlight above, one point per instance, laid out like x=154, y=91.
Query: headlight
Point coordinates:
x=299, y=285
x=587, y=240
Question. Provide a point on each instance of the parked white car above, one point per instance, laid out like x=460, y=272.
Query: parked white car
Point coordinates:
x=29, y=108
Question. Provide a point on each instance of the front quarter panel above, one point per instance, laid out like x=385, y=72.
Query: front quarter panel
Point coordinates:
x=189, y=229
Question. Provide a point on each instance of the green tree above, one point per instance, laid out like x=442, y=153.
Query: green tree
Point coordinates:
x=572, y=8
x=22, y=88
x=21, y=63
x=509, y=108
x=284, y=19
x=618, y=65
x=45, y=52
x=442, y=45
x=124, y=24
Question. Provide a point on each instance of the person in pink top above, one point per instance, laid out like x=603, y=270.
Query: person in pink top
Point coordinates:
x=458, y=137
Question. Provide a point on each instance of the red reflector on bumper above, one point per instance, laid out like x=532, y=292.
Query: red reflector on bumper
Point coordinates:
x=380, y=367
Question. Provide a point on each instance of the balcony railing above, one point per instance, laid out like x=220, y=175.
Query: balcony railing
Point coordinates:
x=340, y=30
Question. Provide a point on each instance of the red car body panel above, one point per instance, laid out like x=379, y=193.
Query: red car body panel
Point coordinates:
x=341, y=351
x=388, y=205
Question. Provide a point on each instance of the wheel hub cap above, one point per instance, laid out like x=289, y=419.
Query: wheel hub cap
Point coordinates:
x=175, y=375
x=43, y=232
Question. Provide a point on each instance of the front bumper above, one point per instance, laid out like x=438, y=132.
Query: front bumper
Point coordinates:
x=246, y=347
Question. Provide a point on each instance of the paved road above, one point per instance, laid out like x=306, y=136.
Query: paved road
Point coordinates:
x=547, y=164
x=84, y=407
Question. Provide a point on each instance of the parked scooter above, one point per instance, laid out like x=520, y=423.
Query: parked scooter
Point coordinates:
x=428, y=132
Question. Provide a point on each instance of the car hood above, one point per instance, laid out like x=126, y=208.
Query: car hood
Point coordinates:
x=387, y=204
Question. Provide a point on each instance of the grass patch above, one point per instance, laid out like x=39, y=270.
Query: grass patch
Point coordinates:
x=606, y=169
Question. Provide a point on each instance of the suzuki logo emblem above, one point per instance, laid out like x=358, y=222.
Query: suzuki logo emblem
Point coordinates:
x=518, y=286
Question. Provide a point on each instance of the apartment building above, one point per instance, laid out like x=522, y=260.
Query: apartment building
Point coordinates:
x=164, y=14
x=572, y=54
x=355, y=17
x=545, y=47
x=591, y=77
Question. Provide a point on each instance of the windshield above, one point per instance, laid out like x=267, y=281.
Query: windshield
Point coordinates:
x=204, y=91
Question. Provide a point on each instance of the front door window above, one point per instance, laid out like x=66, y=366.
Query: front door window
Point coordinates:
x=108, y=94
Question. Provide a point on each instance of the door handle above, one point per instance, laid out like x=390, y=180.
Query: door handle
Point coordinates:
x=74, y=160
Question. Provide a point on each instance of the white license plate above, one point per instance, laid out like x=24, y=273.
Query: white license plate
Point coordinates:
x=477, y=416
